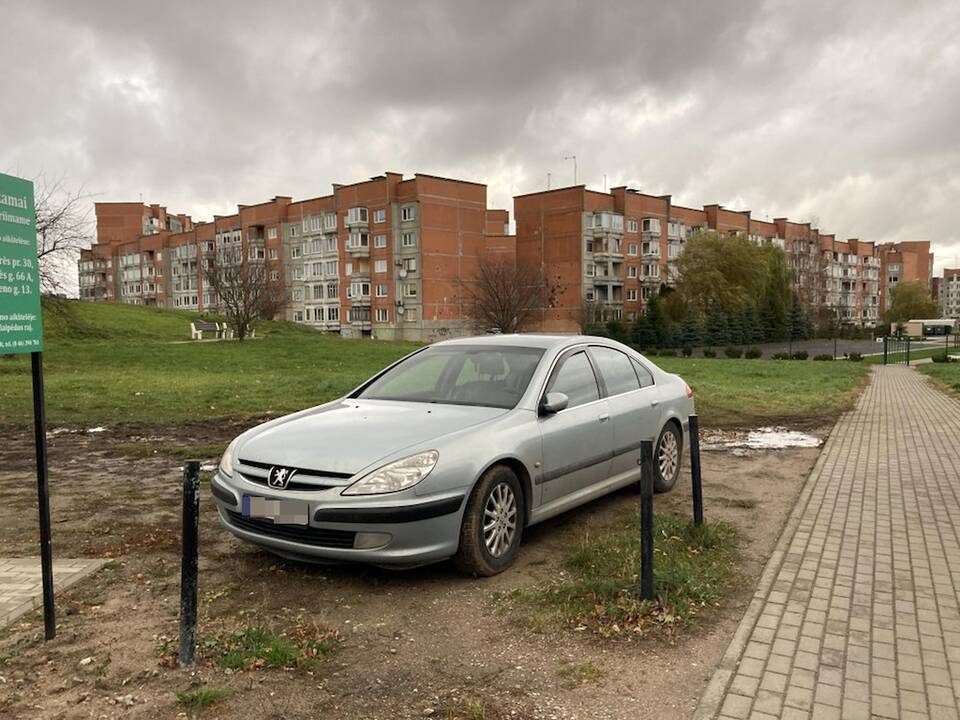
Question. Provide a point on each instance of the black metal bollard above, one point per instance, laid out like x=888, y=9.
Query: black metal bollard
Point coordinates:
x=188, y=561
x=646, y=520
x=697, y=486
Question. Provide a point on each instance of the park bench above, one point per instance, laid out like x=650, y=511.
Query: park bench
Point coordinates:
x=197, y=329
x=229, y=334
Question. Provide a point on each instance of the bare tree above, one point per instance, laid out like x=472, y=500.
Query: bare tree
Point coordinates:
x=506, y=295
x=63, y=228
x=245, y=293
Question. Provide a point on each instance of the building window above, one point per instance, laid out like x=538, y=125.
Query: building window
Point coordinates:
x=631, y=226
x=333, y=314
x=348, y=268
x=381, y=290
x=382, y=315
x=651, y=225
x=380, y=216
x=357, y=215
x=410, y=289
x=379, y=241
x=590, y=270
x=631, y=294
x=408, y=239
x=298, y=315
x=410, y=315
x=380, y=266
x=590, y=295
x=410, y=265
x=272, y=233
x=333, y=291
x=256, y=253
x=631, y=248
x=408, y=212
x=274, y=275
x=331, y=244
x=330, y=266
x=298, y=273
x=298, y=294
x=273, y=253
x=632, y=271
x=589, y=246
x=293, y=231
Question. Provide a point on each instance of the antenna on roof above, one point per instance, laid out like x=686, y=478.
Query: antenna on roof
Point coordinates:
x=574, y=158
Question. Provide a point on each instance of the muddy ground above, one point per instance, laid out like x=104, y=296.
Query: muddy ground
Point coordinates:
x=420, y=643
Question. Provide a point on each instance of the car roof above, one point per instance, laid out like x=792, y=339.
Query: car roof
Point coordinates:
x=535, y=340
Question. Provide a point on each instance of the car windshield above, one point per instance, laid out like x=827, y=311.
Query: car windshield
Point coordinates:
x=482, y=375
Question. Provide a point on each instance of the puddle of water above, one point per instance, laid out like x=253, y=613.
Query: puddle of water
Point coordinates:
x=765, y=438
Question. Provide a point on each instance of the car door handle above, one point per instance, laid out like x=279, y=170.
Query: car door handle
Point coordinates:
x=603, y=418
x=654, y=403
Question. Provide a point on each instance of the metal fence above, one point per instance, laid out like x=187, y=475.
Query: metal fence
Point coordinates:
x=896, y=350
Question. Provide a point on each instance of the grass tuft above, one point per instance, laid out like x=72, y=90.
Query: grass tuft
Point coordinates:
x=693, y=568
x=200, y=698
x=257, y=646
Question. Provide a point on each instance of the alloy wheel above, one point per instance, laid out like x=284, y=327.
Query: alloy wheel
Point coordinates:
x=668, y=455
x=500, y=519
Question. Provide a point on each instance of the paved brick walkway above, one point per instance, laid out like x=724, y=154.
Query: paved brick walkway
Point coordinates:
x=21, y=589
x=857, y=613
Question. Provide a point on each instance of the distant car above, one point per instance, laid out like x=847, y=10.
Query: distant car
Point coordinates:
x=454, y=450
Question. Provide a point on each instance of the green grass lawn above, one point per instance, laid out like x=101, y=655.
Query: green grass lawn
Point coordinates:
x=747, y=392
x=946, y=375
x=118, y=363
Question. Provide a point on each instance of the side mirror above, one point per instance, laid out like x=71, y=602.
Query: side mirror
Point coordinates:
x=554, y=402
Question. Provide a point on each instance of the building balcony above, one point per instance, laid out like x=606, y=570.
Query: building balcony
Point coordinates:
x=360, y=301
x=651, y=280
x=652, y=253
x=605, y=254
x=607, y=280
x=358, y=250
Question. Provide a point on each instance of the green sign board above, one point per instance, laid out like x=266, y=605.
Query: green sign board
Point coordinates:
x=21, y=330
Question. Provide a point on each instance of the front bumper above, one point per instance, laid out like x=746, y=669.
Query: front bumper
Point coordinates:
x=415, y=530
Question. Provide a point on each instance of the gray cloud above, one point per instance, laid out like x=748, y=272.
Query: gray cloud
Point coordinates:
x=840, y=111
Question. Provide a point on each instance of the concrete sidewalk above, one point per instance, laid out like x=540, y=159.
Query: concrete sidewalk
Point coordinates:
x=857, y=614
x=21, y=589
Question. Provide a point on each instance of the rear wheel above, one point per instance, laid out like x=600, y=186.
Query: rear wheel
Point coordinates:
x=667, y=458
x=492, y=524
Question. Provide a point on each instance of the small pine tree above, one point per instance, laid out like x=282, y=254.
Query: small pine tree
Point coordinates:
x=717, y=328
x=796, y=322
x=690, y=332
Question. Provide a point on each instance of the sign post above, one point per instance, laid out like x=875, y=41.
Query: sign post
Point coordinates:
x=21, y=331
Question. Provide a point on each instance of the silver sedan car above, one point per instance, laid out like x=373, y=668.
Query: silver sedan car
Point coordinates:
x=452, y=451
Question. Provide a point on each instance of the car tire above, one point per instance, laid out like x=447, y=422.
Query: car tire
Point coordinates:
x=497, y=498
x=667, y=458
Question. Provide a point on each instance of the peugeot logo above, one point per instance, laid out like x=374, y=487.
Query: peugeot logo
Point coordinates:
x=279, y=477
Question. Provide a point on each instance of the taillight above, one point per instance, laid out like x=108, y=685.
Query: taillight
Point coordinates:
x=689, y=390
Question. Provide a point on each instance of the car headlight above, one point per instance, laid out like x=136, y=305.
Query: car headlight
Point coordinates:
x=396, y=476
x=226, y=460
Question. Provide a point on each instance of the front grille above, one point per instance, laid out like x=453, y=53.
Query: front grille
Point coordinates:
x=294, y=533
x=292, y=485
x=334, y=478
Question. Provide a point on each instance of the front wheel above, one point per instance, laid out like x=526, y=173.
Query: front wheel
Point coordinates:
x=492, y=524
x=666, y=458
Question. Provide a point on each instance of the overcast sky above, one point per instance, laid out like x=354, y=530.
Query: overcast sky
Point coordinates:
x=845, y=113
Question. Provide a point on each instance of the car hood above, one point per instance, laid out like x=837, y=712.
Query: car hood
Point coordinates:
x=347, y=436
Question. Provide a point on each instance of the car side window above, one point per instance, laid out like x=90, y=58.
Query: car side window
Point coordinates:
x=615, y=369
x=575, y=379
x=643, y=375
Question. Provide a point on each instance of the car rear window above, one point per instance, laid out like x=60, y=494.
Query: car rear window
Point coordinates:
x=615, y=369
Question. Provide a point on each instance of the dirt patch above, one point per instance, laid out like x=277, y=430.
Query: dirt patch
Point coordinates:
x=410, y=644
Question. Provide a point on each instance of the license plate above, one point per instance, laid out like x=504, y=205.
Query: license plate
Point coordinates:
x=280, y=512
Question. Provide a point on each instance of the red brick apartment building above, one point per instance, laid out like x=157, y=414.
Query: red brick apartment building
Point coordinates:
x=384, y=257
x=607, y=253
x=387, y=256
